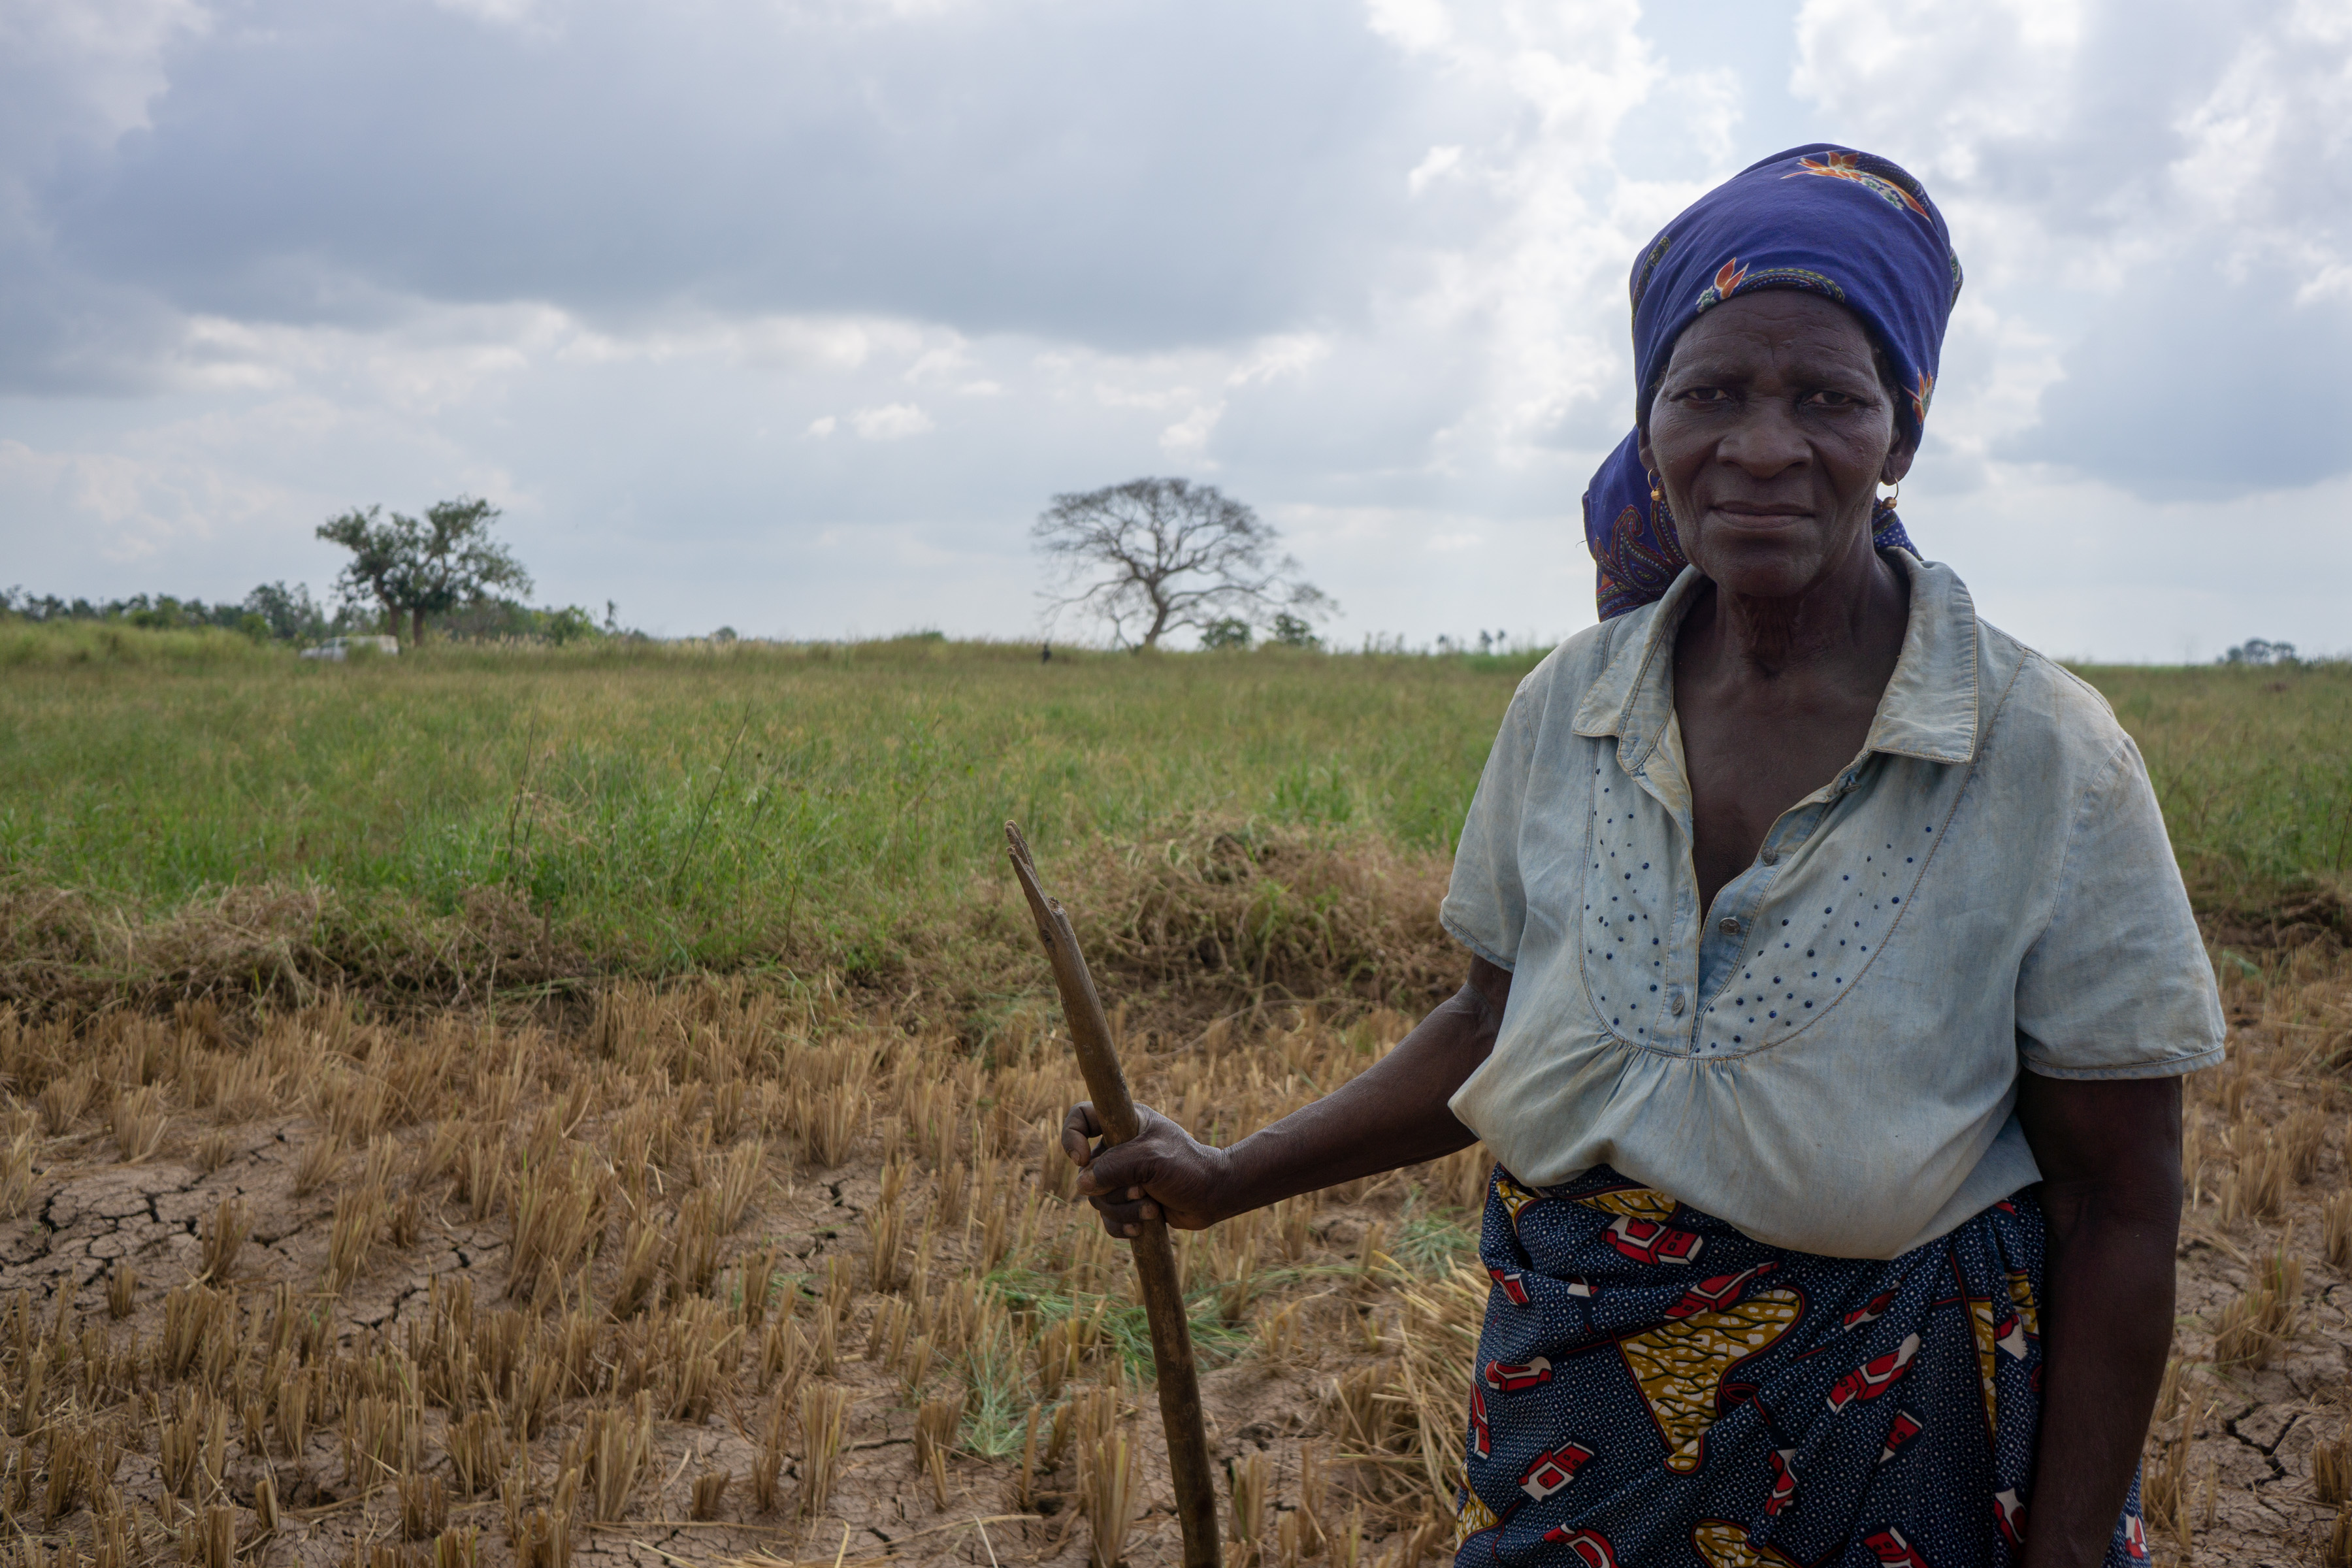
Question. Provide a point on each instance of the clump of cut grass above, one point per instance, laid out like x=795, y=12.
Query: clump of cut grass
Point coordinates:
x=2331, y=1469
x=559, y=1210
x=224, y=1237
x=1108, y=1478
x=2257, y=1187
x=1246, y=1483
x=2335, y=1230
x=822, y=1409
x=139, y=1123
x=935, y=1429
x=121, y=1289
x=320, y=1161
x=610, y=1454
x=2164, y=1492
x=885, y=1226
x=17, y=1156
x=2335, y=1552
x=2251, y=1328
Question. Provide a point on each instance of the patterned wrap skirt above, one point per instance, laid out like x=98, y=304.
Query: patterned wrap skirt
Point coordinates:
x=1656, y=1390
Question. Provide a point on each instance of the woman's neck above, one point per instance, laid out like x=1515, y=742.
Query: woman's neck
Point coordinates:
x=1855, y=613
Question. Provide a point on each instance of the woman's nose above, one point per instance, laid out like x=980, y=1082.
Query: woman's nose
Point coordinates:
x=1765, y=440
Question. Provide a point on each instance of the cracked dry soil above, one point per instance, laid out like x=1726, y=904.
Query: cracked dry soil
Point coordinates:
x=459, y=1227
x=2268, y=1158
x=707, y=1210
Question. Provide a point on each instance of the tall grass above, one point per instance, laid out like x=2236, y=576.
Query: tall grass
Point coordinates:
x=694, y=806
x=2253, y=767
x=679, y=807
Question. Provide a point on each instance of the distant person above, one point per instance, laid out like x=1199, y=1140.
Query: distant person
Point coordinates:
x=1045, y=653
x=1831, y=984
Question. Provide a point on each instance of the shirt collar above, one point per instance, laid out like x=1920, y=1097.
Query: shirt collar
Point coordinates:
x=1929, y=709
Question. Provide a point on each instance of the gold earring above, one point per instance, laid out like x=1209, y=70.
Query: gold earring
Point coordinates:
x=1887, y=500
x=1655, y=494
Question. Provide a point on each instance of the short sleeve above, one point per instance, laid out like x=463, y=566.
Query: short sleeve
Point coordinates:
x=1485, y=906
x=2118, y=983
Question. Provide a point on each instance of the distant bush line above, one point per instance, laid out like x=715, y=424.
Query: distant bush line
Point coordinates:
x=274, y=612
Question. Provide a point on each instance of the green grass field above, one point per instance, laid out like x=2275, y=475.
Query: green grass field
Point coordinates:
x=675, y=806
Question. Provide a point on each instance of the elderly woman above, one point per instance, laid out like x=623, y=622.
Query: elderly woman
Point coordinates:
x=1831, y=982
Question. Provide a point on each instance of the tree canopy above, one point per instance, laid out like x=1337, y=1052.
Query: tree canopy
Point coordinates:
x=1150, y=556
x=425, y=567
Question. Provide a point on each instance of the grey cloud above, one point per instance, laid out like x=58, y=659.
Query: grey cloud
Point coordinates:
x=64, y=334
x=2197, y=386
x=1127, y=175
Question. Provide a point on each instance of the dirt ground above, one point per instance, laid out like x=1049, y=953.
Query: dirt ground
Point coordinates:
x=718, y=1278
x=2266, y=1250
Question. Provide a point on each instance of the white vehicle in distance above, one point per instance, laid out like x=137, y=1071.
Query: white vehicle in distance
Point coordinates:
x=339, y=648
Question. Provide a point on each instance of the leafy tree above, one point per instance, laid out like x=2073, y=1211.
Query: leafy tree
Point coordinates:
x=289, y=613
x=1231, y=632
x=492, y=619
x=422, y=568
x=570, y=623
x=1151, y=555
x=2256, y=650
x=1289, y=631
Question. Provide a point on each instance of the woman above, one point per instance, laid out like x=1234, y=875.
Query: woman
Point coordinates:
x=1831, y=982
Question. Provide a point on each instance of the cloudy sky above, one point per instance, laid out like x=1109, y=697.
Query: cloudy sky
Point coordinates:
x=792, y=314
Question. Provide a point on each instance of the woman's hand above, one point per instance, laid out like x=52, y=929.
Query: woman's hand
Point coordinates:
x=1162, y=1173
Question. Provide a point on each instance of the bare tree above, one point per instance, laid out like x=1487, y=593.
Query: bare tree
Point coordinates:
x=427, y=568
x=1151, y=555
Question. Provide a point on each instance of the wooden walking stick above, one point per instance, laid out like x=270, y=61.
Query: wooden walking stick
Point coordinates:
x=1155, y=1256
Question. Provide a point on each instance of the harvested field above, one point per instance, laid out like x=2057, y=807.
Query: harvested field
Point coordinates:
x=521, y=1108
x=718, y=1277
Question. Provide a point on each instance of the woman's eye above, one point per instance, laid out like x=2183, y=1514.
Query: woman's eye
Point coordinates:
x=1706, y=395
x=1826, y=398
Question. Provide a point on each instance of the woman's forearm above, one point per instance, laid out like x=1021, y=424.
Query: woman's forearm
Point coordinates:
x=2106, y=1327
x=2110, y=1158
x=1392, y=1114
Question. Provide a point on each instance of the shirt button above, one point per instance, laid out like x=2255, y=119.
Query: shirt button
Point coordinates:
x=1771, y=856
x=1675, y=1003
x=1729, y=925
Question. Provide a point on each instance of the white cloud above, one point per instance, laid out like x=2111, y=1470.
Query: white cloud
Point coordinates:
x=1290, y=354
x=891, y=422
x=1441, y=162
x=1189, y=437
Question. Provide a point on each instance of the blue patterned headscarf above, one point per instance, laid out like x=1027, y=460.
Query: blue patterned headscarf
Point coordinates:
x=1830, y=221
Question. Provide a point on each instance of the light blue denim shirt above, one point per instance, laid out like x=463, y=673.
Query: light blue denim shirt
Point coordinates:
x=1828, y=1059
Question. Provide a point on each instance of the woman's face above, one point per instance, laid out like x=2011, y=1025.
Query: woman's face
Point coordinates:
x=1771, y=433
